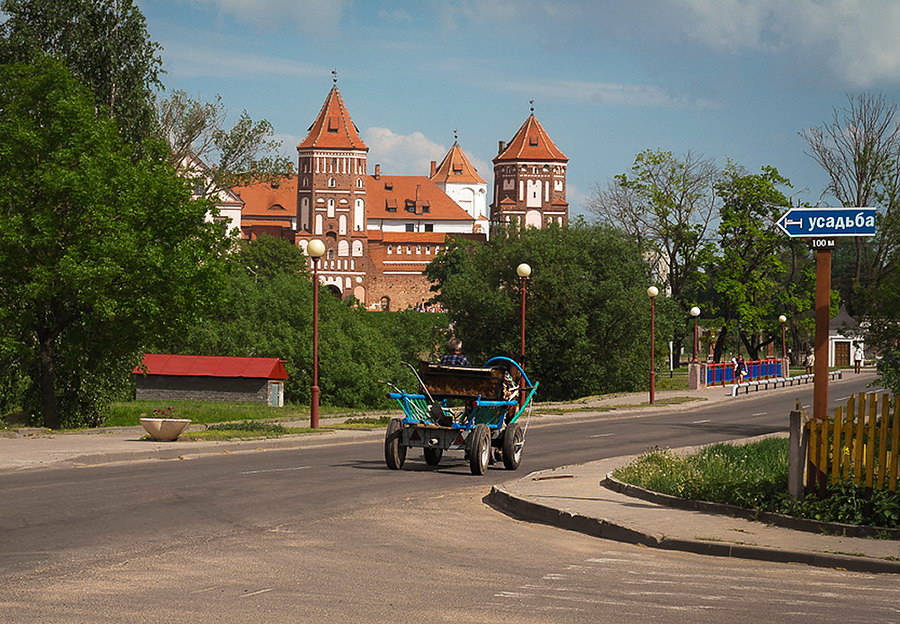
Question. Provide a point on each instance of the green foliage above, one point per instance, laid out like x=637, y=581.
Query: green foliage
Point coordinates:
x=101, y=250
x=587, y=308
x=755, y=476
x=883, y=332
x=105, y=45
x=267, y=312
x=250, y=425
x=758, y=273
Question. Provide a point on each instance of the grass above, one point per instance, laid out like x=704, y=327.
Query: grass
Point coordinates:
x=755, y=476
x=129, y=413
x=363, y=423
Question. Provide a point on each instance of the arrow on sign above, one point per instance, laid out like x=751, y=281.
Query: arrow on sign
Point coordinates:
x=827, y=222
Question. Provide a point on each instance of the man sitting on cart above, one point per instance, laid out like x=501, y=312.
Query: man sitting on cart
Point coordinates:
x=455, y=356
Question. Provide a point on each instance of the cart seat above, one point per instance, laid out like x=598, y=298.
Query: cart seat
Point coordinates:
x=462, y=382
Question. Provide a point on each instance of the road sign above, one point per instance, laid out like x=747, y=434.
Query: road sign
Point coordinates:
x=827, y=222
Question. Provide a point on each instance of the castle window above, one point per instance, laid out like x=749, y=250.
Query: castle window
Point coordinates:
x=410, y=206
x=532, y=141
x=390, y=249
x=388, y=186
x=410, y=227
x=333, y=124
x=429, y=227
x=359, y=183
x=426, y=207
x=457, y=171
x=332, y=182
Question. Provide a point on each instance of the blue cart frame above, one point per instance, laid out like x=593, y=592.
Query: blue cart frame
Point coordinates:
x=487, y=427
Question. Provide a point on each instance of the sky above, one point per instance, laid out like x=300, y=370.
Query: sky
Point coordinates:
x=725, y=79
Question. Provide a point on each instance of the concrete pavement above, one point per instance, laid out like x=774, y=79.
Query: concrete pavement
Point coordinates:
x=570, y=497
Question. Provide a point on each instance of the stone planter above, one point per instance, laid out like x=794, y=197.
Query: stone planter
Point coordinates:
x=164, y=429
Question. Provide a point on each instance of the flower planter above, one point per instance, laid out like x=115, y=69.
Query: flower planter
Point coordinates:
x=164, y=429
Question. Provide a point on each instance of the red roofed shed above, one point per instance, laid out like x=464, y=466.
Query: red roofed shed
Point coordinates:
x=211, y=378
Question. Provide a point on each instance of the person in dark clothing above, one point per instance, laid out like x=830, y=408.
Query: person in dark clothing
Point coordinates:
x=455, y=356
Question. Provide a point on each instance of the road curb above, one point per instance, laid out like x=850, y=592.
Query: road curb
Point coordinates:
x=523, y=508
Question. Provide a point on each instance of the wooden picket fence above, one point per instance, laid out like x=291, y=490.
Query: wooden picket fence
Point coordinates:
x=859, y=444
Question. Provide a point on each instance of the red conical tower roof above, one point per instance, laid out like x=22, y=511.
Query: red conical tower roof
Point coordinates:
x=456, y=168
x=531, y=143
x=333, y=128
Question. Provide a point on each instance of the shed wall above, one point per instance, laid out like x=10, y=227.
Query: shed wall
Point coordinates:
x=231, y=389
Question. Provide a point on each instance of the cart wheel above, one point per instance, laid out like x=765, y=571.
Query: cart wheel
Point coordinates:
x=394, y=452
x=480, y=449
x=513, y=442
x=433, y=456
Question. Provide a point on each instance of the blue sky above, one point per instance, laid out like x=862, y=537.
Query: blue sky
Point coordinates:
x=723, y=78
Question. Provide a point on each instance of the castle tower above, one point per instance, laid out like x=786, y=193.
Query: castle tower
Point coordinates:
x=530, y=179
x=459, y=179
x=331, y=196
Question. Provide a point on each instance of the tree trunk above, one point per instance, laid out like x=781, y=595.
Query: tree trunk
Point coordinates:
x=720, y=344
x=49, y=408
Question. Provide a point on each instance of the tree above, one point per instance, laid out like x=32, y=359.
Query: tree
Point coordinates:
x=267, y=312
x=105, y=45
x=668, y=205
x=588, y=311
x=244, y=154
x=859, y=149
x=754, y=278
x=101, y=251
x=883, y=331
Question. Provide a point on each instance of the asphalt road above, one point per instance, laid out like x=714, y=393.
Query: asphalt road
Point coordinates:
x=326, y=533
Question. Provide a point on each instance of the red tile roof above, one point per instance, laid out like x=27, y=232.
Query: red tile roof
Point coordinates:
x=416, y=238
x=531, y=142
x=397, y=192
x=456, y=169
x=265, y=200
x=211, y=366
x=333, y=128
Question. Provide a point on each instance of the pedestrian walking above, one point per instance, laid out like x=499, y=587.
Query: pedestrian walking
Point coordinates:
x=857, y=357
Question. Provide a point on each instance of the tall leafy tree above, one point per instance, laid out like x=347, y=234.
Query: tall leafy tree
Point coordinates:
x=668, y=205
x=587, y=307
x=753, y=277
x=101, y=251
x=244, y=153
x=859, y=150
x=105, y=45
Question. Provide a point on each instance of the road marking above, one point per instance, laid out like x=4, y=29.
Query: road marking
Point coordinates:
x=700, y=422
x=601, y=435
x=275, y=470
x=759, y=414
x=256, y=593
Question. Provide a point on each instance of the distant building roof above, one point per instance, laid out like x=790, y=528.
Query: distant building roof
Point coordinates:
x=531, y=142
x=212, y=366
x=842, y=320
x=410, y=198
x=333, y=128
x=456, y=169
x=265, y=199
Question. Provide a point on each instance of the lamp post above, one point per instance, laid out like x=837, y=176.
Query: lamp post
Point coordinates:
x=695, y=312
x=315, y=250
x=652, y=291
x=523, y=271
x=782, y=319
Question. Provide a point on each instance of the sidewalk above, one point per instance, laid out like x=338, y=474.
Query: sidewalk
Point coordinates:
x=573, y=498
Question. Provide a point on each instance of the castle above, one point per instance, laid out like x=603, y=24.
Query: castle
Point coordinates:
x=381, y=231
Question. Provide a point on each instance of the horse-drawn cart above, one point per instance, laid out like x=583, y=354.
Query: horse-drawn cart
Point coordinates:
x=475, y=410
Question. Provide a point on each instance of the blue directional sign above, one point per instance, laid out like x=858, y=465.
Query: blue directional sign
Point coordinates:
x=828, y=222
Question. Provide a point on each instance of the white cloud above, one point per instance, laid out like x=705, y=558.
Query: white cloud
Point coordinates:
x=856, y=39
x=188, y=60
x=319, y=17
x=401, y=154
x=606, y=93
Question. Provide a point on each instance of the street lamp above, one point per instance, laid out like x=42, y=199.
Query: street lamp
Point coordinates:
x=315, y=250
x=523, y=271
x=652, y=291
x=782, y=319
x=695, y=312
